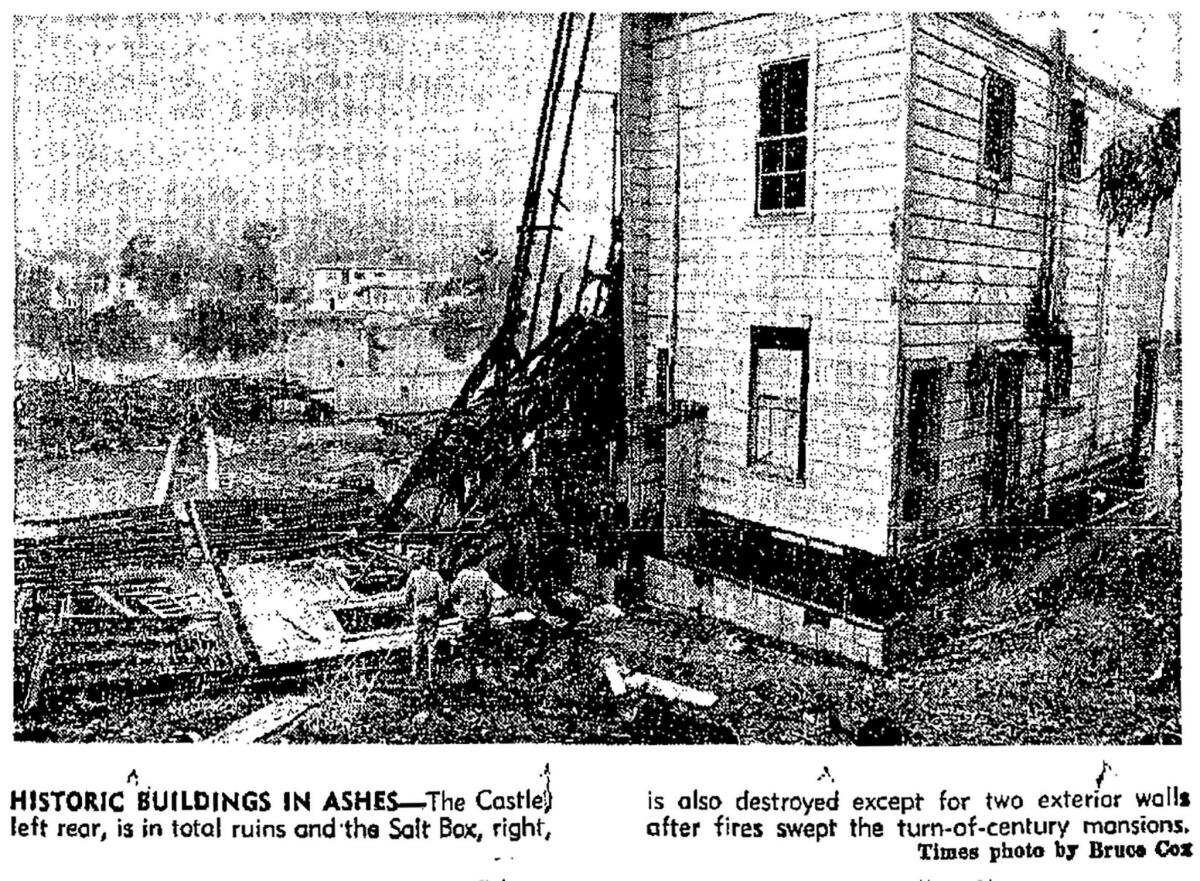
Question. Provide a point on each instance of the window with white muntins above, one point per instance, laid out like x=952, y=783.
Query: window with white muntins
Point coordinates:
x=781, y=179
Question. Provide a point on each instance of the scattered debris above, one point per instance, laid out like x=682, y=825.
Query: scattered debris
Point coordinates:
x=265, y=721
x=734, y=644
x=606, y=612
x=616, y=680
x=670, y=690
x=621, y=681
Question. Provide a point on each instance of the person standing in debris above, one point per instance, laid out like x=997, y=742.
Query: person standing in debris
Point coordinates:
x=426, y=591
x=472, y=590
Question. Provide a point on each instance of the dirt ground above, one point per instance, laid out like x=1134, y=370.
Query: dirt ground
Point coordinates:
x=1091, y=658
x=279, y=458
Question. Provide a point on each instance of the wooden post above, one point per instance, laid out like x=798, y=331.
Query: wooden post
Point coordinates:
x=556, y=303
x=212, y=474
x=43, y=654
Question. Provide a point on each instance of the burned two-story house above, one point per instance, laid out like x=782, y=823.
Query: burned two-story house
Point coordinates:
x=872, y=306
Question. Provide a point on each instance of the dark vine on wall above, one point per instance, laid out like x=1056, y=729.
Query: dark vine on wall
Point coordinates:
x=1138, y=172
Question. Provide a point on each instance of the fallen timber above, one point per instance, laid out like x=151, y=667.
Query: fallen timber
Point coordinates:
x=209, y=588
x=143, y=593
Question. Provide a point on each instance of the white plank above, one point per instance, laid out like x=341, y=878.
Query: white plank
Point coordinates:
x=266, y=720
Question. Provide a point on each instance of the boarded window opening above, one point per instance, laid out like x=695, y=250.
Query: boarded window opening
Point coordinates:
x=782, y=176
x=999, y=116
x=779, y=400
x=1075, y=140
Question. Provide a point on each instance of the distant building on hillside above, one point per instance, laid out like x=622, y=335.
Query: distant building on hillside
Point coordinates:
x=109, y=289
x=354, y=288
x=74, y=287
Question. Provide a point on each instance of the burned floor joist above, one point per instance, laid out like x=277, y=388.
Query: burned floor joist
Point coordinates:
x=144, y=593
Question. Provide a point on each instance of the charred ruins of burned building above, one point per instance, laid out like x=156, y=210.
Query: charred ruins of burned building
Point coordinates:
x=874, y=305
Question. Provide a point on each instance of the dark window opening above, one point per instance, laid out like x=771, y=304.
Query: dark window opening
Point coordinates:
x=1144, y=386
x=345, y=276
x=980, y=369
x=923, y=441
x=1060, y=363
x=913, y=503
x=782, y=171
x=999, y=116
x=817, y=617
x=924, y=422
x=1075, y=140
x=374, y=347
x=779, y=400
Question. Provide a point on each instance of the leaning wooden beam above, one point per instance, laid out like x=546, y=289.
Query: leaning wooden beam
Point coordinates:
x=112, y=601
x=562, y=170
x=234, y=632
x=502, y=353
x=556, y=302
x=164, y=478
x=428, y=460
x=266, y=720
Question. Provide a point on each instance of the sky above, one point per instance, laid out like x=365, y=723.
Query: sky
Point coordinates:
x=1136, y=49
x=353, y=132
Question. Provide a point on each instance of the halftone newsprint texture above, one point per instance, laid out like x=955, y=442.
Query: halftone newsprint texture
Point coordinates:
x=642, y=378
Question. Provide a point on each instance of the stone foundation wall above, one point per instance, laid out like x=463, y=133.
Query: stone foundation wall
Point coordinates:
x=739, y=603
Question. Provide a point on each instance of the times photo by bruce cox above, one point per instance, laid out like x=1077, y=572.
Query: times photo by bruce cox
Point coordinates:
x=423, y=419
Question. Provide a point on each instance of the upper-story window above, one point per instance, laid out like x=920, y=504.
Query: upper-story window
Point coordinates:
x=1074, y=140
x=999, y=117
x=782, y=178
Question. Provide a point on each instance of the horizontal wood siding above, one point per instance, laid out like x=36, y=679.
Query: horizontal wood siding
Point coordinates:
x=973, y=254
x=836, y=266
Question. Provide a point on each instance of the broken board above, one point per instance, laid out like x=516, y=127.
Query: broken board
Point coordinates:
x=266, y=720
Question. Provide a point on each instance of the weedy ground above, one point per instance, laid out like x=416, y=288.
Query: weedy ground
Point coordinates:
x=1091, y=657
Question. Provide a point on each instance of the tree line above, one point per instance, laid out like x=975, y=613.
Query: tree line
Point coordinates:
x=223, y=300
